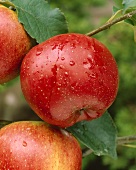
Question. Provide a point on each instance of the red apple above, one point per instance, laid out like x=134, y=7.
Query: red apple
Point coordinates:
x=14, y=44
x=30, y=145
x=69, y=78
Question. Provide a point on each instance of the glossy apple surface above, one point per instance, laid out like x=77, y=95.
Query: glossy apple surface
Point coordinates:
x=69, y=78
x=33, y=145
x=14, y=44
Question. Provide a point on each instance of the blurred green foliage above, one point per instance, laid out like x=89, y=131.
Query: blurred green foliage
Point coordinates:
x=77, y=13
x=120, y=41
x=8, y=84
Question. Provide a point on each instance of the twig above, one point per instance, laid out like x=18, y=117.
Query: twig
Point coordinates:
x=110, y=23
x=125, y=140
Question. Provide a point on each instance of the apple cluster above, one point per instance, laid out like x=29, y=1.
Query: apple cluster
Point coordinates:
x=65, y=79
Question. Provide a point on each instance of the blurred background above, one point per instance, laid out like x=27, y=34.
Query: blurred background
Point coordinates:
x=82, y=17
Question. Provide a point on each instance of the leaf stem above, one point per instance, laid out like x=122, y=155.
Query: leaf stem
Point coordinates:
x=120, y=141
x=110, y=23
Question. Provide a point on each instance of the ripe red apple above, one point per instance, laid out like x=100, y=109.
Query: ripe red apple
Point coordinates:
x=69, y=78
x=30, y=145
x=14, y=44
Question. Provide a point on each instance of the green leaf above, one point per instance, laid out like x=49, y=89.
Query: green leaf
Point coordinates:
x=115, y=9
x=99, y=135
x=39, y=19
x=131, y=20
x=134, y=28
x=124, y=7
x=118, y=4
x=116, y=14
x=6, y=3
x=129, y=4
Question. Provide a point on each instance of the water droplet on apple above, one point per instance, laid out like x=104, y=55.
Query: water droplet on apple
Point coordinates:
x=59, y=84
x=61, y=46
x=72, y=87
x=24, y=143
x=61, y=66
x=62, y=58
x=54, y=46
x=87, y=65
x=73, y=45
x=93, y=49
x=93, y=75
x=90, y=58
x=39, y=51
x=66, y=73
x=72, y=63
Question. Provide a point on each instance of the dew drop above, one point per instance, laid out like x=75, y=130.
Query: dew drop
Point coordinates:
x=61, y=46
x=24, y=143
x=61, y=66
x=66, y=73
x=99, y=153
x=93, y=49
x=92, y=75
x=62, y=58
x=87, y=65
x=73, y=45
x=54, y=46
x=90, y=56
x=72, y=87
x=106, y=150
x=59, y=84
x=39, y=51
x=72, y=63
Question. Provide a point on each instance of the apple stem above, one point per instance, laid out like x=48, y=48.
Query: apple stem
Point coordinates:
x=121, y=141
x=107, y=25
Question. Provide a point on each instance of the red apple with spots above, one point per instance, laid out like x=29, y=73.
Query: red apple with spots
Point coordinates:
x=30, y=145
x=69, y=78
x=14, y=44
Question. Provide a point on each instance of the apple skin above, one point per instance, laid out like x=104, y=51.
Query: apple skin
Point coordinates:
x=69, y=78
x=32, y=145
x=14, y=44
